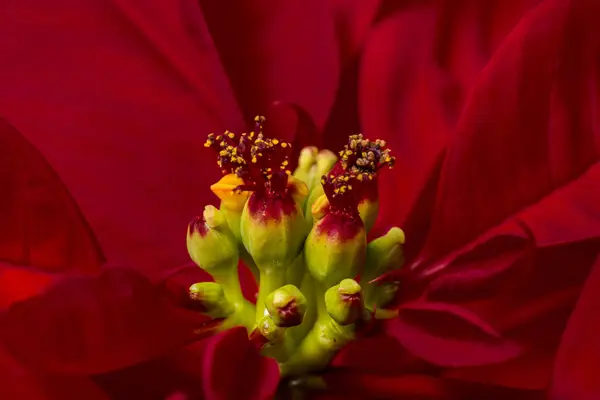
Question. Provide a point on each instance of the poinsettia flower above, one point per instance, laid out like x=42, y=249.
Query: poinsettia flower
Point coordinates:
x=465, y=242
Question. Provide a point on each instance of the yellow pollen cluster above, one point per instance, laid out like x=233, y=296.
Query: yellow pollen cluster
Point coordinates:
x=365, y=156
x=229, y=158
x=341, y=183
x=235, y=153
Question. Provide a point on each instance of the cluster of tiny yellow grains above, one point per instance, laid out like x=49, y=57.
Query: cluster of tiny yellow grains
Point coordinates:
x=341, y=183
x=364, y=156
x=234, y=154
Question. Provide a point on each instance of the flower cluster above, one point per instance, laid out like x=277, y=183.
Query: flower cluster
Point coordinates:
x=304, y=236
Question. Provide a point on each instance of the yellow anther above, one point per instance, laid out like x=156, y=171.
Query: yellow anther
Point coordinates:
x=284, y=145
x=275, y=141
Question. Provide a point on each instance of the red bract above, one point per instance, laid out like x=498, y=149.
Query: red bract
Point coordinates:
x=41, y=224
x=496, y=186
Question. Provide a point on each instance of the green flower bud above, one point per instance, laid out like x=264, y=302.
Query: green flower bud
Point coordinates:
x=273, y=230
x=287, y=306
x=307, y=162
x=312, y=164
x=210, y=298
x=325, y=161
x=344, y=302
x=335, y=247
x=271, y=332
x=210, y=243
x=385, y=253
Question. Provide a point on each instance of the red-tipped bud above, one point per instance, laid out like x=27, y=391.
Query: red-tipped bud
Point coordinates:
x=287, y=306
x=344, y=302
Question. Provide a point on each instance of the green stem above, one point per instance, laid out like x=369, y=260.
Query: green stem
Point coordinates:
x=283, y=349
x=320, y=344
x=249, y=262
x=233, y=218
x=296, y=271
x=243, y=309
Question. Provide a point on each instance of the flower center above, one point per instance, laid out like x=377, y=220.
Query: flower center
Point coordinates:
x=310, y=301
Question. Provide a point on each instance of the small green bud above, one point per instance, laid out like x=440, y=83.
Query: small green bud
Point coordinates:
x=271, y=332
x=385, y=253
x=325, y=161
x=307, y=163
x=287, y=306
x=211, y=299
x=312, y=164
x=344, y=302
x=210, y=243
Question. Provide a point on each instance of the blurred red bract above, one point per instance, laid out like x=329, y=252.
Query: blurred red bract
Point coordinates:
x=491, y=109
